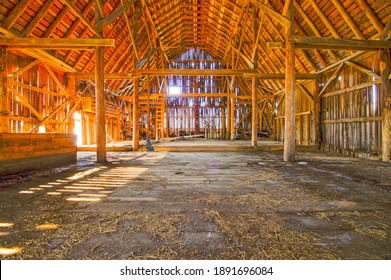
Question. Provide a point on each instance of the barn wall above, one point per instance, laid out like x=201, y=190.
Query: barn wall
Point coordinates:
x=40, y=100
x=305, y=115
x=28, y=151
x=351, y=109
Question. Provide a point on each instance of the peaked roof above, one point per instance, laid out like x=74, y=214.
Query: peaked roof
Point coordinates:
x=149, y=33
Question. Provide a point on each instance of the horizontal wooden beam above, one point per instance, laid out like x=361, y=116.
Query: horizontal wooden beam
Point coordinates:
x=55, y=43
x=192, y=72
x=333, y=43
x=41, y=55
x=280, y=76
x=108, y=76
x=166, y=72
x=154, y=96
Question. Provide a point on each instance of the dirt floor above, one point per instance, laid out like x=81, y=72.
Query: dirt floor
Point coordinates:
x=199, y=205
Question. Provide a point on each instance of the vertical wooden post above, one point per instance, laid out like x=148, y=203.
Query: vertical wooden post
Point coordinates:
x=228, y=133
x=148, y=124
x=385, y=68
x=72, y=96
x=118, y=133
x=232, y=124
x=4, y=109
x=136, y=110
x=254, y=114
x=317, y=114
x=100, y=131
x=223, y=122
x=290, y=84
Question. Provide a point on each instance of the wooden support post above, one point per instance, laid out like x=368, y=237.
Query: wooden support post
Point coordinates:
x=232, y=124
x=136, y=110
x=4, y=109
x=385, y=68
x=317, y=114
x=72, y=96
x=196, y=115
x=100, y=131
x=254, y=114
x=148, y=124
x=228, y=134
x=386, y=131
x=118, y=127
x=84, y=127
x=223, y=122
x=166, y=117
x=290, y=84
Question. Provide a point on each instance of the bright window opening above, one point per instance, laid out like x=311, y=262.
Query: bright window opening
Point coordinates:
x=42, y=129
x=173, y=90
x=78, y=130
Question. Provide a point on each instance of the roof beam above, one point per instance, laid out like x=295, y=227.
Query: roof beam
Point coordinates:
x=154, y=29
x=167, y=72
x=41, y=54
x=15, y=13
x=37, y=18
x=371, y=15
x=352, y=24
x=386, y=30
x=115, y=14
x=55, y=43
x=82, y=18
x=281, y=19
x=280, y=76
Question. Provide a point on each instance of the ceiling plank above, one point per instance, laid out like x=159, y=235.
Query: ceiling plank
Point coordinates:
x=352, y=24
x=37, y=18
x=55, y=23
x=324, y=19
x=82, y=18
x=371, y=15
x=15, y=13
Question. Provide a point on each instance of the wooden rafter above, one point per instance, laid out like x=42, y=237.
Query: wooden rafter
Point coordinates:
x=15, y=13
x=82, y=18
x=37, y=18
x=278, y=17
x=154, y=30
x=114, y=15
x=362, y=69
x=331, y=80
x=352, y=24
x=371, y=15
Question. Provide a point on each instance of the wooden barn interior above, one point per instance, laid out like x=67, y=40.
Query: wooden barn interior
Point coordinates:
x=195, y=129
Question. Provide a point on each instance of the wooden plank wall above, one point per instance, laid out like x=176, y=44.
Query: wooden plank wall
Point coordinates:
x=36, y=90
x=351, y=110
x=305, y=124
x=32, y=151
